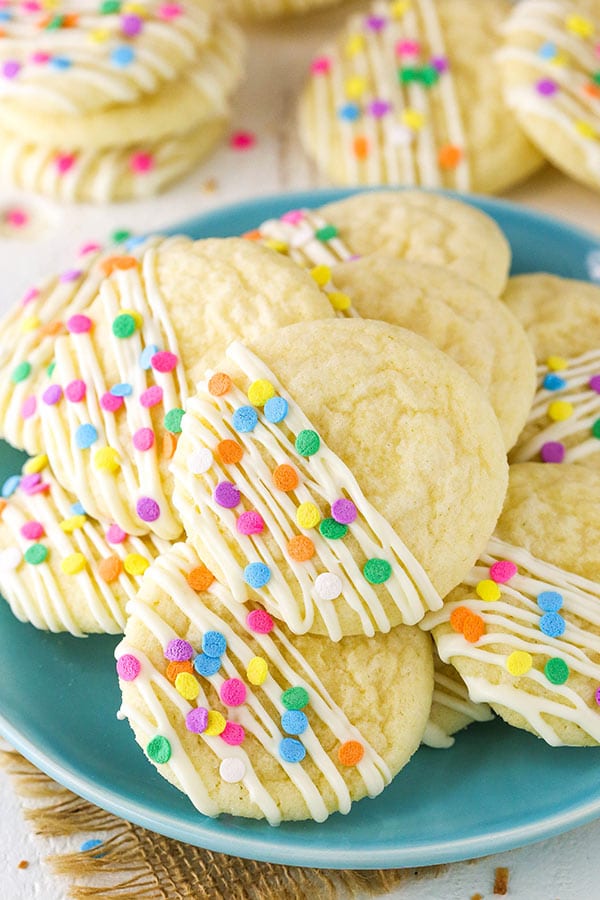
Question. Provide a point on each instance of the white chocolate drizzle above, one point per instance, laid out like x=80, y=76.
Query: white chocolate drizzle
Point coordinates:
x=451, y=694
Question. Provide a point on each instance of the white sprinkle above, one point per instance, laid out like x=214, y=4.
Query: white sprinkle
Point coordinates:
x=401, y=136
x=10, y=559
x=200, y=461
x=328, y=586
x=232, y=769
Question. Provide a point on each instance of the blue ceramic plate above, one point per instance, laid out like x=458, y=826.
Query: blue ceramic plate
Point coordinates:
x=497, y=788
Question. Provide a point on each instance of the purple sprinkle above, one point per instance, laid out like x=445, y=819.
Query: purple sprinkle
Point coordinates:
x=178, y=650
x=147, y=509
x=598, y=696
x=379, y=108
x=439, y=63
x=197, y=720
x=227, y=495
x=375, y=23
x=552, y=452
x=52, y=394
x=71, y=275
x=11, y=68
x=128, y=667
x=131, y=25
x=343, y=511
x=546, y=87
x=594, y=383
x=28, y=482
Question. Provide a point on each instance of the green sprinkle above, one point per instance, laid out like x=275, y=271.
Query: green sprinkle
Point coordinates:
x=307, y=442
x=295, y=698
x=123, y=326
x=556, y=670
x=22, y=372
x=596, y=77
x=109, y=6
x=159, y=749
x=333, y=530
x=326, y=233
x=55, y=23
x=172, y=420
x=376, y=571
x=51, y=368
x=429, y=76
x=36, y=554
x=596, y=428
x=117, y=237
x=407, y=74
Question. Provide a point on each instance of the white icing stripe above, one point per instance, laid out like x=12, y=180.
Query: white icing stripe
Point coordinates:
x=322, y=480
x=512, y=623
x=586, y=411
x=169, y=575
x=137, y=290
x=451, y=693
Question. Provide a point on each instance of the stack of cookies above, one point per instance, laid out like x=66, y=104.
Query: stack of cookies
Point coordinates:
x=106, y=100
x=279, y=505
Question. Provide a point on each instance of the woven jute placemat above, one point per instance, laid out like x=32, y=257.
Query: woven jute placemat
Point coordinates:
x=133, y=863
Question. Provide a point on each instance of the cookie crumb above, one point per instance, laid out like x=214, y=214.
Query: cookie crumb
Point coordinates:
x=24, y=864
x=477, y=897
x=210, y=186
x=501, y=881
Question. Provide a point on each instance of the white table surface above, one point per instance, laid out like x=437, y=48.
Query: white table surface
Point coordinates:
x=563, y=868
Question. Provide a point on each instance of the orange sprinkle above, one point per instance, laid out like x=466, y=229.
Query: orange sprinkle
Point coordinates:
x=351, y=753
x=44, y=21
x=169, y=445
x=110, y=568
x=285, y=478
x=70, y=20
x=301, y=548
x=592, y=89
x=176, y=667
x=449, y=156
x=473, y=628
x=3, y=506
x=219, y=384
x=253, y=235
x=230, y=451
x=458, y=617
x=109, y=265
x=50, y=329
x=200, y=578
x=361, y=147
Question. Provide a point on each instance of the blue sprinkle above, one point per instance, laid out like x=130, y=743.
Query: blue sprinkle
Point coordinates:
x=122, y=56
x=257, y=574
x=553, y=382
x=5, y=15
x=550, y=601
x=89, y=845
x=134, y=241
x=245, y=419
x=552, y=624
x=85, y=436
x=547, y=51
x=147, y=354
x=207, y=665
x=276, y=409
x=10, y=485
x=214, y=644
x=291, y=750
x=350, y=112
x=60, y=62
x=78, y=510
x=294, y=721
x=121, y=390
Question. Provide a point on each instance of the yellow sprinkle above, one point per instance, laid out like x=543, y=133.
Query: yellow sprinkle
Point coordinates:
x=559, y=410
x=519, y=662
x=134, y=564
x=413, y=119
x=354, y=45
x=99, y=35
x=278, y=246
x=72, y=524
x=355, y=87
x=107, y=460
x=257, y=670
x=580, y=26
x=321, y=274
x=30, y=323
x=399, y=8
x=187, y=685
x=216, y=723
x=50, y=4
x=135, y=9
x=560, y=59
x=488, y=590
x=73, y=564
x=586, y=129
x=260, y=391
x=557, y=363
x=339, y=300
x=308, y=515
x=35, y=464
x=135, y=315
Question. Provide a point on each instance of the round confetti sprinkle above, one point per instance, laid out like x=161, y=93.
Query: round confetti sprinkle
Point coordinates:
x=36, y=463
x=196, y=720
x=29, y=407
x=285, y=478
x=219, y=384
x=214, y=643
x=200, y=461
x=260, y=391
x=146, y=356
x=200, y=578
x=502, y=571
x=110, y=403
x=52, y=395
x=36, y=554
x=143, y=439
x=159, y=750
x=242, y=140
x=321, y=274
x=110, y=568
x=488, y=590
x=107, y=460
x=245, y=419
x=291, y=750
x=557, y=363
x=79, y=324
x=164, y=361
x=140, y=163
x=560, y=410
x=343, y=511
x=553, y=382
x=519, y=662
x=449, y=156
x=300, y=548
x=257, y=575
x=376, y=571
x=339, y=300
x=73, y=564
x=257, y=670
x=276, y=409
x=550, y=601
x=307, y=443
x=308, y=515
x=21, y=372
x=123, y=389
x=172, y=420
x=85, y=436
x=328, y=586
x=230, y=452
x=10, y=486
x=135, y=564
x=147, y=509
x=232, y=769
x=32, y=531
x=174, y=668
x=546, y=87
x=552, y=624
x=556, y=670
x=152, y=396
x=207, y=666
x=295, y=698
x=458, y=617
x=233, y=734
x=260, y=622
x=294, y=721
x=123, y=326
x=73, y=523
x=128, y=667
x=332, y=530
x=187, y=686
x=178, y=650
x=250, y=522
x=115, y=534
x=594, y=383
x=473, y=628
x=75, y=391
x=552, y=452
x=350, y=753
x=226, y=495
x=216, y=723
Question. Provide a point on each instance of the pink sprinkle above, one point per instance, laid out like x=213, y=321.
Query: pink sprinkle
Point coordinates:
x=233, y=692
x=164, y=361
x=79, y=324
x=169, y=11
x=30, y=295
x=293, y=217
x=111, y=403
x=64, y=162
x=128, y=667
x=17, y=218
x=52, y=395
x=250, y=522
x=242, y=140
x=32, y=531
x=115, y=534
x=41, y=488
x=32, y=5
x=233, y=734
x=40, y=58
x=11, y=68
x=321, y=65
x=152, y=396
x=75, y=391
x=71, y=275
x=29, y=482
x=140, y=163
x=408, y=48
x=143, y=439
x=29, y=407
x=90, y=247
x=259, y=621
x=502, y=571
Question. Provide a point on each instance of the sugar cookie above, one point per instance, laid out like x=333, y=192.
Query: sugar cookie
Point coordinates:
x=267, y=9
